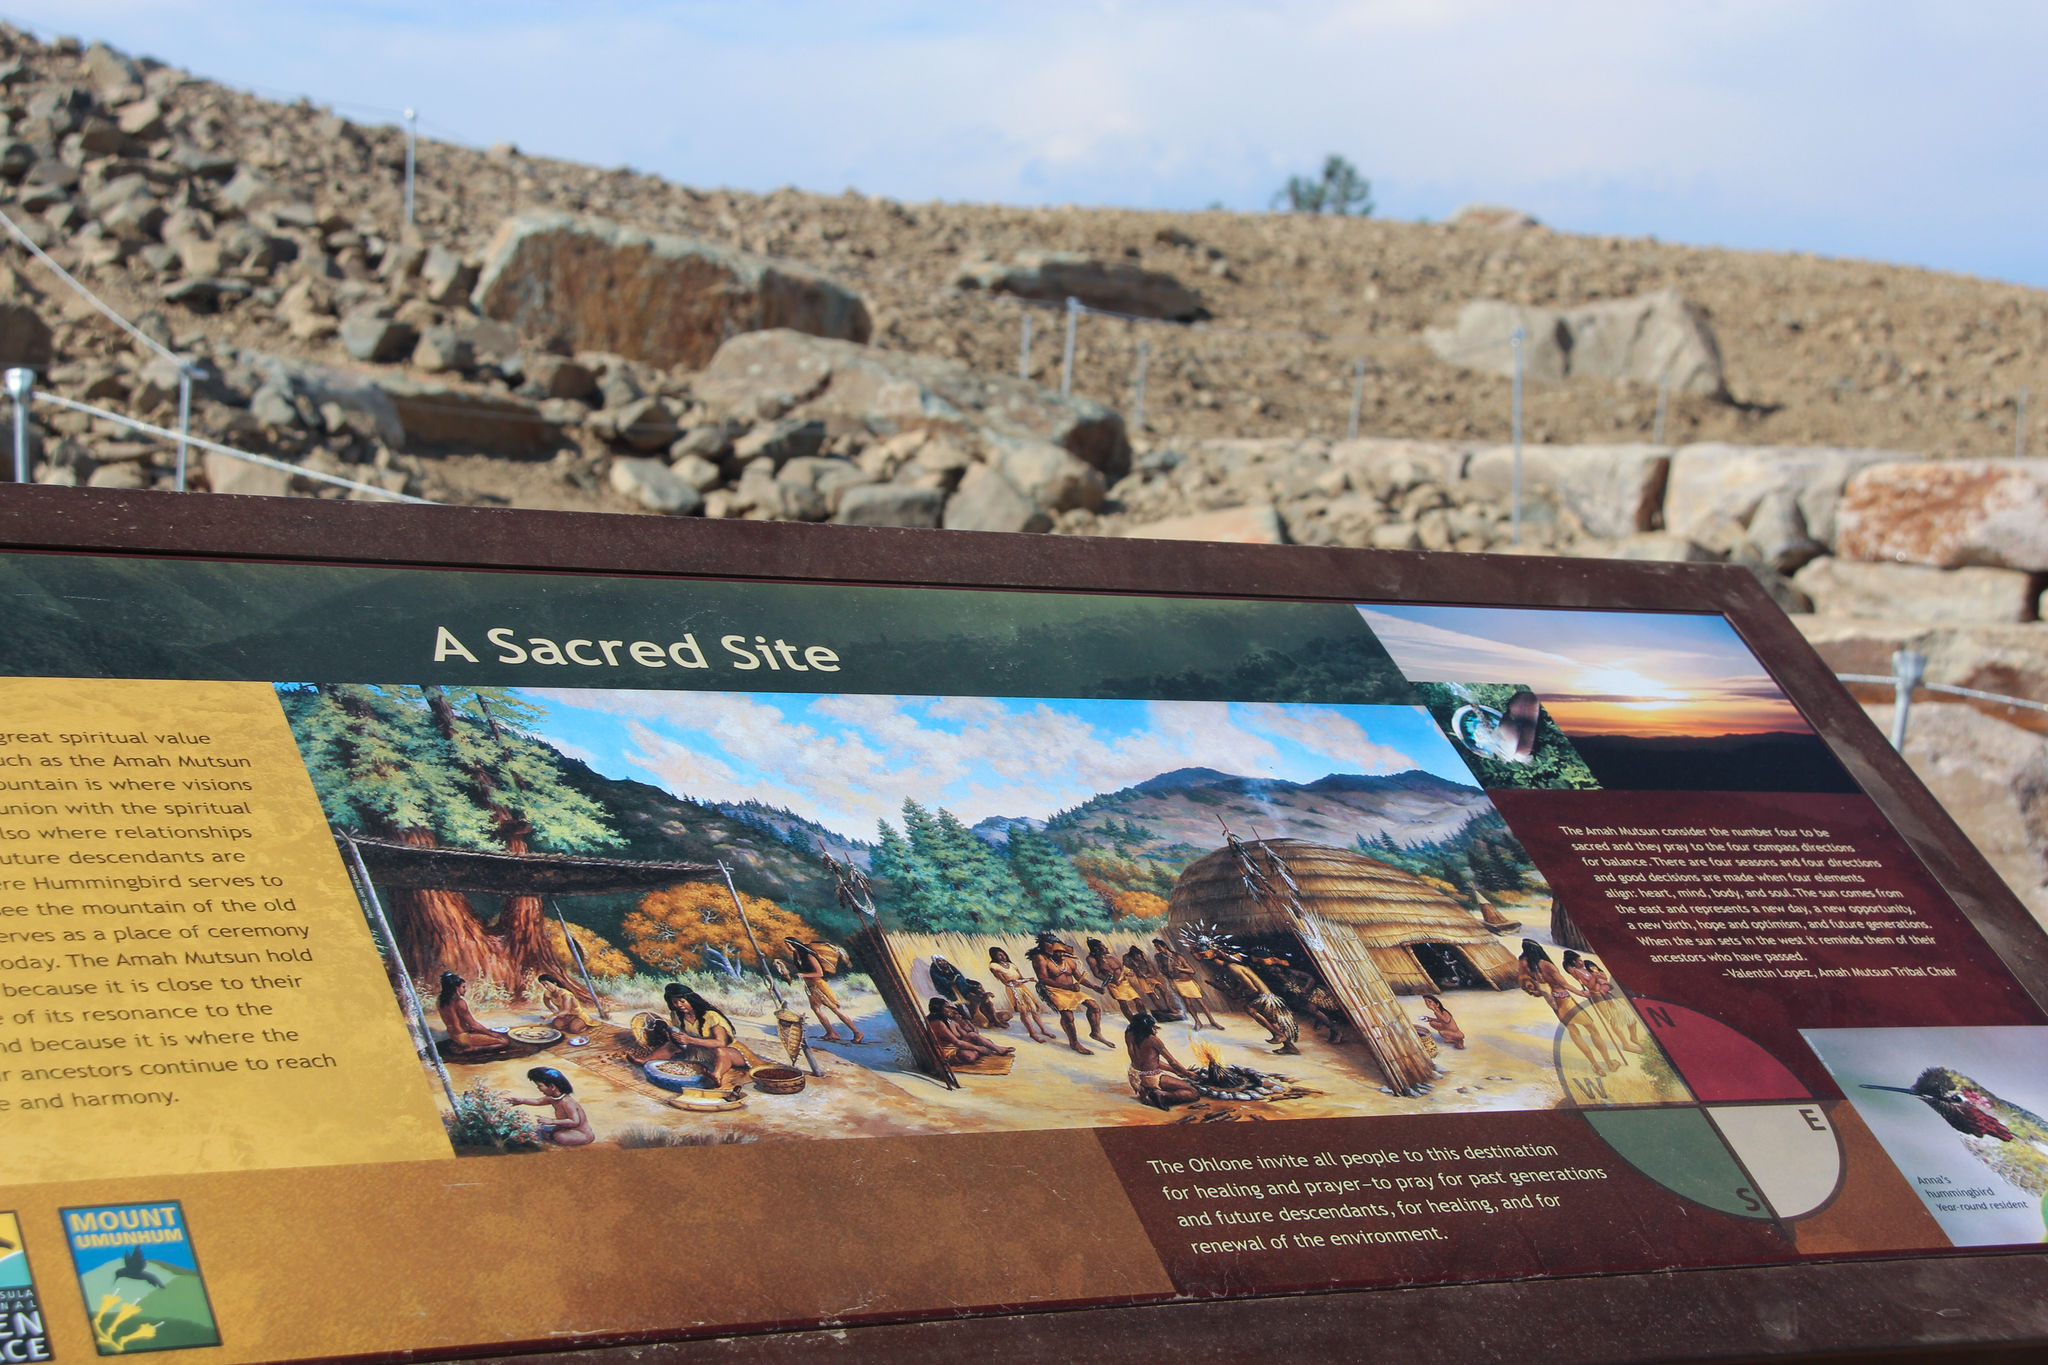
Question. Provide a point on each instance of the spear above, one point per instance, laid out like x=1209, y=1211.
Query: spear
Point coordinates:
x=576, y=956
x=762, y=958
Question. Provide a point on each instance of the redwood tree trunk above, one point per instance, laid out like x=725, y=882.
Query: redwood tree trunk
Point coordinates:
x=439, y=932
x=522, y=933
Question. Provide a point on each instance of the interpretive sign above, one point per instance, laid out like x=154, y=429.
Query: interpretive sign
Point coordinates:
x=471, y=948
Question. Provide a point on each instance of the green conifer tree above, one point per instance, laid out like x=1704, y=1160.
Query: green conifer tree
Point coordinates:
x=1056, y=895
x=917, y=904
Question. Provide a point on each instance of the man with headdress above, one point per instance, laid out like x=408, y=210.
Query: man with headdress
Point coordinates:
x=1259, y=1000
x=1186, y=982
x=1303, y=994
x=1060, y=985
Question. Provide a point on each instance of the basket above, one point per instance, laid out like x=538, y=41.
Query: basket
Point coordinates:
x=642, y=1027
x=534, y=1035
x=674, y=1075
x=778, y=1080
x=708, y=1104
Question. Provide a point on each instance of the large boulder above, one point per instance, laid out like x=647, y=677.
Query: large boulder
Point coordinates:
x=585, y=284
x=1714, y=485
x=25, y=339
x=1113, y=286
x=1482, y=339
x=1948, y=513
x=1258, y=524
x=443, y=416
x=847, y=385
x=1658, y=338
x=1614, y=491
x=1914, y=592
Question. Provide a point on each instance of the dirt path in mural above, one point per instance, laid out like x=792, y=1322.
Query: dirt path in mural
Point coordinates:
x=1510, y=1061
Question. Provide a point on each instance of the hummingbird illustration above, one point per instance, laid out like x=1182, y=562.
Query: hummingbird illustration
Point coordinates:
x=2012, y=1142
x=134, y=1267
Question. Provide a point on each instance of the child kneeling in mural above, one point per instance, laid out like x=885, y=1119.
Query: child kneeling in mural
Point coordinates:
x=1156, y=1077
x=571, y=1127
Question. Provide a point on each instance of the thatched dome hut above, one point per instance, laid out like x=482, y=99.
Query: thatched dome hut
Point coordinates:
x=1415, y=938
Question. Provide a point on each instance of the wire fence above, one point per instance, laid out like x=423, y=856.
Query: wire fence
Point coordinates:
x=21, y=387
x=1909, y=675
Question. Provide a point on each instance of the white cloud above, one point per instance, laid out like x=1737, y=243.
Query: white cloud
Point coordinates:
x=1905, y=132
x=850, y=760
x=1350, y=747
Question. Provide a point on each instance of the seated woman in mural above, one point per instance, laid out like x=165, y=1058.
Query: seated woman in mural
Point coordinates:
x=1441, y=1021
x=1540, y=977
x=963, y=990
x=564, y=1010
x=1116, y=978
x=812, y=969
x=1023, y=1000
x=699, y=1032
x=465, y=1034
x=1155, y=1076
x=954, y=1035
x=1181, y=975
x=1608, y=1007
x=571, y=1127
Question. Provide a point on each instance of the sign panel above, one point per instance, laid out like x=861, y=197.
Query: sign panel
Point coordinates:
x=578, y=957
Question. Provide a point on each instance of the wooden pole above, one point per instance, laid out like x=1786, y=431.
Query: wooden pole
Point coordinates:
x=409, y=999
x=576, y=956
x=761, y=959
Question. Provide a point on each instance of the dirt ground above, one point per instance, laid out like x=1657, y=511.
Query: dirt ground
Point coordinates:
x=1512, y=1060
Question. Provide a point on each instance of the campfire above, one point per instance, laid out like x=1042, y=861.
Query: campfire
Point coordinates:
x=1224, y=1082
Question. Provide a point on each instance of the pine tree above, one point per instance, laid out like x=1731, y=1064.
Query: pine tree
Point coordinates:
x=918, y=902
x=1055, y=892
x=985, y=897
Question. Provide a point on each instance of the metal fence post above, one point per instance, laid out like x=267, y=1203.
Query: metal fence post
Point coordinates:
x=1024, y=348
x=21, y=384
x=1515, y=505
x=1663, y=402
x=184, y=419
x=1357, y=398
x=1138, y=405
x=412, y=134
x=1908, y=668
x=1067, y=358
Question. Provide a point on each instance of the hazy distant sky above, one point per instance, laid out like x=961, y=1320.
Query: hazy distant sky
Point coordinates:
x=1598, y=672
x=848, y=760
x=1897, y=131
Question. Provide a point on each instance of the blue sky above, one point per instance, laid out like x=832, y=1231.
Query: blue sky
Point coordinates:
x=1869, y=128
x=848, y=760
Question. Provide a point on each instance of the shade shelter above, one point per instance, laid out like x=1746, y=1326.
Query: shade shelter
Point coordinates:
x=1371, y=930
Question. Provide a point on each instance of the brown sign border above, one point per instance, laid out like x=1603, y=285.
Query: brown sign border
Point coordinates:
x=1985, y=1305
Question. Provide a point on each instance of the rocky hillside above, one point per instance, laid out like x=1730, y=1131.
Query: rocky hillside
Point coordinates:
x=1180, y=815
x=252, y=221
x=553, y=334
